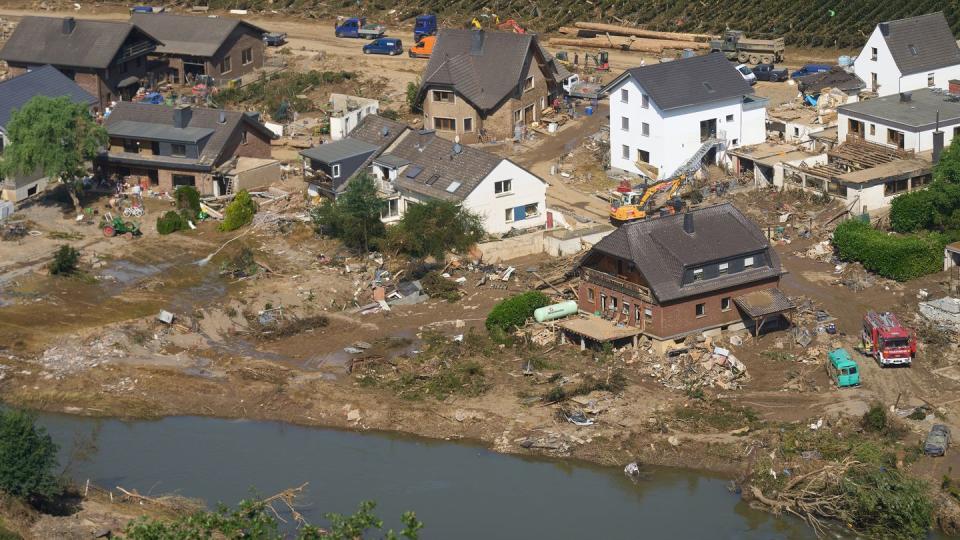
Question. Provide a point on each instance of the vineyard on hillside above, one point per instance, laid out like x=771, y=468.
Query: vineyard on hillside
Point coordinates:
x=815, y=23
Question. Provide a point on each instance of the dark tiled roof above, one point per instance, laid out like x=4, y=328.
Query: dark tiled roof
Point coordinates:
x=158, y=132
x=162, y=117
x=338, y=150
x=441, y=166
x=836, y=77
x=662, y=250
x=482, y=66
x=377, y=130
x=41, y=40
x=921, y=43
x=688, y=81
x=43, y=81
x=185, y=34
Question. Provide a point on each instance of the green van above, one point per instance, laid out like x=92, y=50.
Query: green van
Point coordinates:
x=843, y=370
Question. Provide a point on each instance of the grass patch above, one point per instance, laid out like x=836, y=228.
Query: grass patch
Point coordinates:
x=717, y=415
x=616, y=382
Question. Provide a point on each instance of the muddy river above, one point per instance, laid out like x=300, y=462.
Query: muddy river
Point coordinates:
x=458, y=490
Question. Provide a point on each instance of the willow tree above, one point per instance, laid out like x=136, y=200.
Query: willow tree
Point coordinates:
x=55, y=136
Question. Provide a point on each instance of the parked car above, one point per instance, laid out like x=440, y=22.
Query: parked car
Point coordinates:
x=747, y=74
x=274, y=39
x=843, y=371
x=423, y=48
x=391, y=46
x=767, y=72
x=938, y=440
x=357, y=27
x=810, y=69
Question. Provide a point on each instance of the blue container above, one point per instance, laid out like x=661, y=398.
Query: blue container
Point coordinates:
x=588, y=111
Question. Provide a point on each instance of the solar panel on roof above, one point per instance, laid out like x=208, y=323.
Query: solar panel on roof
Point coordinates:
x=412, y=172
x=453, y=187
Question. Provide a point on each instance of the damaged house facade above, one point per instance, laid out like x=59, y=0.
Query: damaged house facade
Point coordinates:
x=481, y=85
x=163, y=147
x=107, y=59
x=222, y=48
x=704, y=270
x=666, y=115
x=909, y=54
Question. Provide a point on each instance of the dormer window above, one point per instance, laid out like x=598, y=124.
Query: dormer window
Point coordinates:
x=708, y=87
x=697, y=274
x=748, y=262
x=724, y=268
x=913, y=50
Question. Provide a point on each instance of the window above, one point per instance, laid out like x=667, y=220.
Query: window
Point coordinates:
x=184, y=180
x=590, y=296
x=637, y=314
x=503, y=186
x=392, y=209
x=443, y=96
x=913, y=50
x=532, y=210
x=895, y=138
x=226, y=65
x=873, y=129
x=648, y=314
x=729, y=118
x=624, y=96
x=444, y=124
x=643, y=155
x=517, y=116
x=735, y=142
x=625, y=152
x=613, y=303
x=874, y=83
x=724, y=268
x=508, y=215
x=468, y=124
x=243, y=137
x=894, y=186
x=725, y=304
x=246, y=56
x=335, y=170
x=697, y=274
x=603, y=301
x=178, y=150
x=644, y=101
x=748, y=262
x=131, y=146
x=930, y=79
x=626, y=308
x=645, y=129
x=528, y=84
x=701, y=310
x=873, y=53
x=624, y=123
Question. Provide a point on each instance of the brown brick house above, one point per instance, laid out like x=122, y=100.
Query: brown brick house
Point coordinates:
x=479, y=84
x=219, y=47
x=683, y=274
x=107, y=59
x=163, y=147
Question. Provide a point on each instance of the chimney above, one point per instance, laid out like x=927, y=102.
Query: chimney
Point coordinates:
x=181, y=116
x=688, y=223
x=937, y=145
x=222, y=118
x=954, y=86
x=476, y=46
x=884, y=28
x=69, y=23
x=905, y=97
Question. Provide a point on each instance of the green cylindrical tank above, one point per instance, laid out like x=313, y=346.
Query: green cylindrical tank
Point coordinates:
x=555, y=311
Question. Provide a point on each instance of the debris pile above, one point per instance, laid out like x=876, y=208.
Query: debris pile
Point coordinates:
x=698, y=366
x=60, y=361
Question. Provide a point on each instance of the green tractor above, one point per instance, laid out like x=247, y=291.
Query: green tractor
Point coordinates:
x=118, y=227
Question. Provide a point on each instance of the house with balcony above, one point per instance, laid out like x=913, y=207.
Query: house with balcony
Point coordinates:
x=107, y=59
x=909, y=54
x=222, y=48
x=706, y=270
x=161, y=147
x=668, y=117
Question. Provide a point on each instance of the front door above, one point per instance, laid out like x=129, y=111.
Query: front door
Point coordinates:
x=528, y=115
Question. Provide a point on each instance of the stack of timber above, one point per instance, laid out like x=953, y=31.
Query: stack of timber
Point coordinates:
x=628, y=38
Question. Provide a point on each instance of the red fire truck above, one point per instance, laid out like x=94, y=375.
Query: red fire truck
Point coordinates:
x=887, y=340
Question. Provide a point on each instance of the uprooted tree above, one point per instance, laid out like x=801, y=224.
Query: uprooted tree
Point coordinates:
x=56, y=137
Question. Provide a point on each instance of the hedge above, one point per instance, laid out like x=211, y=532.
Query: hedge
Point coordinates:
x=514, y=311
x=936, y=207
x=899, y=257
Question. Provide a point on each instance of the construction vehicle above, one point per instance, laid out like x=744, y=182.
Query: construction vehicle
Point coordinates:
x=886, y=340
x=736, y=46
x=601, y=60
x=511, y=24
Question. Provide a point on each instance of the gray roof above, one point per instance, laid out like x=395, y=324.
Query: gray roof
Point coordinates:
x=338, y=150
x=157, y=118
x=836, y=77
x=482, y=66
x=688, y=81
x=159, y=132
x=190, y=35
x=44, y=81
x=661, y=250
x=440, y=166
x=377, y=130
x=41, y=40
x=921, y=43
x=917, y=114
x=391, y=161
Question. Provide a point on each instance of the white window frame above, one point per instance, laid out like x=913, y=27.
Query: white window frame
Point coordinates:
x=726, y=300
x=335, y=170
x=748, y=262
x=389, y=213
x=529, y=83
x=624, y=95
x=697, y=274
x=644, y=101
x=724, y=268
x=625, y=123
x=873, y=53
x=533, y=214
x=508, y=215
x=625, y=151
x=503, y=187
x=702, y=308
x=244, y=53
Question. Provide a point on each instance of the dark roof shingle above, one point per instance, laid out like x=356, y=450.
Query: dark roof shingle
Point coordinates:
x=688, y=81
x=42, y=40
x=191, y=35
x=836, y=77
x=44, y=81
x=921, y=43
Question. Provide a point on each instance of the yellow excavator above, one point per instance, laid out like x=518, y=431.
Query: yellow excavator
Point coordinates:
x=630, y=204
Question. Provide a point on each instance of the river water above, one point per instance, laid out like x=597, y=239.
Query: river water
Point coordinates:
x=458, y=490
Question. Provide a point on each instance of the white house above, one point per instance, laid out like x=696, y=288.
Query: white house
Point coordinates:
x=663, y=115
x=906, y=121
x=421, y=166
x=909, y=54
x=346, y=112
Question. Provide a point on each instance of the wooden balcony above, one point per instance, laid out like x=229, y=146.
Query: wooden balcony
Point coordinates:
x=614, y=283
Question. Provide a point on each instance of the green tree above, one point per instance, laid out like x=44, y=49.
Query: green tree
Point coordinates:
x=65, y=260
x=514, y=311
x=413, y=91
x=354, y=217
x=239, y=212
x=28, y=457
x=434, y=228
x=55, y=136
x=948, y=168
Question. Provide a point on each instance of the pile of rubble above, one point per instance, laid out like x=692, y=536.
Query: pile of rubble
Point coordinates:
x=60, y=361
x=696, y=366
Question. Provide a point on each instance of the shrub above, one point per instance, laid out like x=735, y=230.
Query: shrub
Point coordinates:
x=170, y=222
x=389, y=114
x=413, y=90
x=188, y=198
x=28, y=457
x=437, y=286
x=64, y=260
x=875, y=419
x=514, y=311
x=913, y=211
x=895, y=257
x=239, y=212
